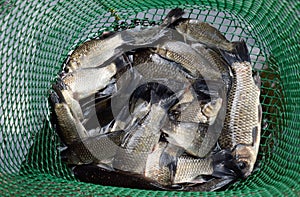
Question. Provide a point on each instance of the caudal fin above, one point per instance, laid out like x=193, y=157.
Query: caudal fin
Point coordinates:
x=173, y=16
x=239, y=54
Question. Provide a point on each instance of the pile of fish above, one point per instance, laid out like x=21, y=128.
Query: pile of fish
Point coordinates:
x=171, y=107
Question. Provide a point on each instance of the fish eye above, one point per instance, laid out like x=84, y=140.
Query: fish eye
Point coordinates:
x=242, y=165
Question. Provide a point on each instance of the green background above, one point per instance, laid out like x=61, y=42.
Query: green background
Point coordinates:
x=36, y=37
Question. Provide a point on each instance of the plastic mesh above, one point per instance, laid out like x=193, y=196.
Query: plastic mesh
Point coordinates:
x=36, y=37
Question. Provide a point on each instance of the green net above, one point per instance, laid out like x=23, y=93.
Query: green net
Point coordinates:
x=36, y=37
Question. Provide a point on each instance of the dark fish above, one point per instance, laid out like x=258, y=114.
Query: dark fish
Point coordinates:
x=102, y=176
x=190, y=170
x=225, y=171
x=242, y=127
x=197, y=31
x=66, y=97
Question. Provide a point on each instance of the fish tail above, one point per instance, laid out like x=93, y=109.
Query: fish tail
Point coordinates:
x=225, y=165
x=54, y=98
x=172, y=100
x=173, y=16
x=239, y=54
x=69, y=157
x=169, y=158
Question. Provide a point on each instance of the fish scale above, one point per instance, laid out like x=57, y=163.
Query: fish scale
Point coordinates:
x=189, y=168
x=242, y=112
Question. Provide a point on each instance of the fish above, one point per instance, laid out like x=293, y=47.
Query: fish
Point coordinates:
x=242, y=126
x=225, y=171
x=151, y=36
x=215, y=58
x=187, y=135
x=84, y=83
x=187, y=170
x=189, y=115
x=195, y=64
x=211, y=110
x=93, y=53
x=198, y=31
x=97, y=149
x=101, y=52
x=97, y=175
x=146, y=73
x=190, y=170
x=70, y=128
x=65, y=96
x=154, y=170
x=141, y=56
x=140, y=140
x=126, y=120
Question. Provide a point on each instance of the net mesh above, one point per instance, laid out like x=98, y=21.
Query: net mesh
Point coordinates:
x=36, y=37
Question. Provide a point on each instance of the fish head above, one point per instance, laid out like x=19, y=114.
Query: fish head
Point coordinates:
x=245, y=158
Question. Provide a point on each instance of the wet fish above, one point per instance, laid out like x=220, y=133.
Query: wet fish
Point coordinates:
x=225, y=171
x=196, y=64
x=211, y=110
x=98, y=149
x=98, y=175
x=70, y=128
x=151, y=36
x=84, y=83
x=94, y=53
x=64, y=96
x=190, y=170
x=198, y=31
x=126, y=120
x=216, y=59
x=101, y=52
x=139, y=141
x=187, y=135
x=146, y=73
x=154, y=170
x=242, y=127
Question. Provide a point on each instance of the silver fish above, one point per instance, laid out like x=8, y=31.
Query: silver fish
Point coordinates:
x=187, y=135
x=125, y=121
x=155, y=171
x=101, y=52
x=140, y=140
x=196, y=64
x=71, y=129
x=242, y=126
x=189, y=169
x=99, y=149
x=197, y=31
x=94, y=53
x=215, y=58
x=83, y=83
x=197, y=140
x=141, y=74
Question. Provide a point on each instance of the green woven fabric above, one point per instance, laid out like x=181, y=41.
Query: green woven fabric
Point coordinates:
x=36, y=37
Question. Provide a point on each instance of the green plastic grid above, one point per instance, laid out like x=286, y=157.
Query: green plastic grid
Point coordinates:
x=37, y=36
